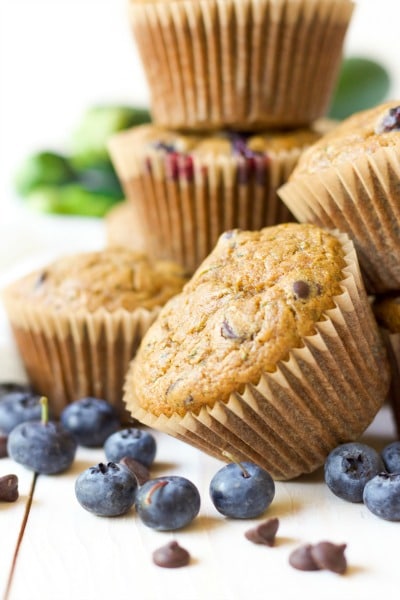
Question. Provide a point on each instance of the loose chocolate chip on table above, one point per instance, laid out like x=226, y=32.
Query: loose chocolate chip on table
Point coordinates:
x=141, y=472
x=302, y=559
x=330, y=556
x=301, y=289
x=323, y=555
x=171, y=556
x=264, y=533
x=8, y=488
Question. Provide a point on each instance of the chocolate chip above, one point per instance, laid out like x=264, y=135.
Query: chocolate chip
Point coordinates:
x=188, y=400
x=40, y=279
x=228, y=332
x=141, y=472
x=171, y=556
x=330, y=556
x=264, y=533
x=302, y=559
x=301, y=289
x=390, y=122
x=8, y=488
x=3, y=444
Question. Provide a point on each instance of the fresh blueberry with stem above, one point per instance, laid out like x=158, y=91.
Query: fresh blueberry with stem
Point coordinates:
x=107, y=490
x=382, y=496
x=242, y=490
x=391, y=457
x=136, y=443
x=167, y=503
x=17, y=407
x=349, y=467
x=90, y=420
x=42, y=446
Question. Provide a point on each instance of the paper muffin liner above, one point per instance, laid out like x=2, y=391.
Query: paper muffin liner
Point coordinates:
x=362, y=199
x=70, y=356
x=242, y=64
x=327, y=392
x=184, y=202
x=392, y=341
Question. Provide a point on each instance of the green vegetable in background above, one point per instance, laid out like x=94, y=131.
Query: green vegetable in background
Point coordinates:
x=89, y=142
x=70, y=199
x=362, y=84
x=84, y=182
x=43, y=168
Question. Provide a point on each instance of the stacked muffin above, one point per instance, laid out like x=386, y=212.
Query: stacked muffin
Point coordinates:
x=229, y=76
x=350, y=180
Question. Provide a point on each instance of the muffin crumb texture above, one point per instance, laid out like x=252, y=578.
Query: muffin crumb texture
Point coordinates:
x=112, y=279
x=248, y=304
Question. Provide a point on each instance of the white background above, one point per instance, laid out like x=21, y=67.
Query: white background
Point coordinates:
x=59, y=56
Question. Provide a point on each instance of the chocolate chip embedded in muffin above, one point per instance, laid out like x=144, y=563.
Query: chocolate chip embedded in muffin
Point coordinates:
x=238, y=316
x=390, y=121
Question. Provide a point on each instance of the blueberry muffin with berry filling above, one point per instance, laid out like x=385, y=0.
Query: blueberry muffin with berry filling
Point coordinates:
x=189, y=188
x=387, y=312
x=350, y=179
x=78, y=322
x=270, y=353
x=240, y=65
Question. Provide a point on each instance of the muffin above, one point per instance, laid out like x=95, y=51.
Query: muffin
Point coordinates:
x=122, y=227
x=349, y=180
x=270, y=353
x=387, y=313
x=78, y=322
x=241, y=64
x=188, y=189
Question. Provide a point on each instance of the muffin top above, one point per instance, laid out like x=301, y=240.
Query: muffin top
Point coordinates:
x=363, y=133
x=249, y=303
x=153, y=142
x=387, y=312
x=112, y=279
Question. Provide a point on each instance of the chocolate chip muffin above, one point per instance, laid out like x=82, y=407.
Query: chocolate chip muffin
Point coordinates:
x=387, y=313
x=349, y=179
x=188, y=188
x=271, y=352
x=78, y=322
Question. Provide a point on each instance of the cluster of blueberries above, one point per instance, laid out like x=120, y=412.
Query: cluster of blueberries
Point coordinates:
x=353, y=471
x=358, y=473
x=238, y=490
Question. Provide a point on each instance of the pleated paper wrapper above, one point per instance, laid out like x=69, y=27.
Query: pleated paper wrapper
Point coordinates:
x=182, y=214
x=70, y=356
x=362, y=199
x=243, y=64
x=392, y=341
x=326, y=393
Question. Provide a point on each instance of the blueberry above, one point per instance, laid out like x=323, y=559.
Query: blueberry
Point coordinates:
x=242, y=491
x=90, y=420
x=42, y=447
x=349, y=467
x=391, y=457
x=136, y=443
x=17, y=407
x=382, y=496
x=106, y=490
x=167, y=503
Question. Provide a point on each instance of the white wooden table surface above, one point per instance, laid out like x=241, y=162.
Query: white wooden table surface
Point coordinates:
x=52, y=549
